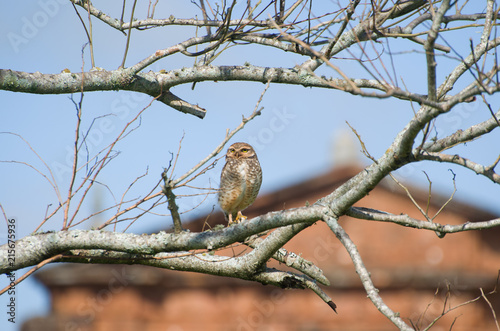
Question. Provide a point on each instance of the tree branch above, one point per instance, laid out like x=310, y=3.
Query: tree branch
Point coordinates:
x=463, y=136
x=151, y=22
x=158, y=84
x=291, y=259
x=33, y=249
x=429, y=48
x=479, y=169
x=362, y=31
x=172, y=206
x=364, y=275
x=235, y=267
x=405, y=220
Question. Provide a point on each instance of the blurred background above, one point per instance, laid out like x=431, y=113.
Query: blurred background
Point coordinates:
x=295, y=137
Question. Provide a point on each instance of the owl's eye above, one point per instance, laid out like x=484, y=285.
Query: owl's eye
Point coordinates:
x=244, y=150
x=232, y=151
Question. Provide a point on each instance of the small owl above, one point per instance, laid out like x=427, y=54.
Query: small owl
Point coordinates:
x=239, y=181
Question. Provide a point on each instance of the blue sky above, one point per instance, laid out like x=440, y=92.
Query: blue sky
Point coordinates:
x=294, y=137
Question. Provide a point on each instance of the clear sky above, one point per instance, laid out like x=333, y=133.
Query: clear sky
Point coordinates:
x=294, y=137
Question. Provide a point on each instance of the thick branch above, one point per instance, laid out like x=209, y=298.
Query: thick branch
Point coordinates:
x=33, y=249
x=396, y=156
x=273, y=245
x=264, y=249
x=121, y=79
x=154, y=84
x=236, y=267
x=267, y=248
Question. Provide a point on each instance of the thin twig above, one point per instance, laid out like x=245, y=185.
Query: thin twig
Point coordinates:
x=52, y=180
x=128, y=35
x=74, y=166
x=491, y=308
x=32, y=270
x=219, y=148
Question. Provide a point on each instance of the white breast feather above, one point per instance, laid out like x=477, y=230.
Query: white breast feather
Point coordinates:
x=243, y=169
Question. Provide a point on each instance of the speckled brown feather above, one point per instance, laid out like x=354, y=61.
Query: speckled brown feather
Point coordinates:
x=240, y=181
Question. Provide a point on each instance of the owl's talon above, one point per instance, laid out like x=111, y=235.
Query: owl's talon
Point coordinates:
x=240, y=217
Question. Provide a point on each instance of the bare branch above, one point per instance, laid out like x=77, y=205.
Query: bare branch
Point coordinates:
x=74, y=166
x=364, y=275
x=150, y=22
x=172, y=206
x=479, y=169
x=236, y=267
x=429, y=49
x=359, y=32
x=349, y=13
x=129, y=34
x=183, y=106
x=31, y=271
x=155, y=84
x=405, y=220
x=491, y=308
x=463, y=67
x=291, y=259
x=36, y=248
x=462, y=136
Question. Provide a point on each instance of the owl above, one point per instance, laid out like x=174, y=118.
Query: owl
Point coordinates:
x=240, y=181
